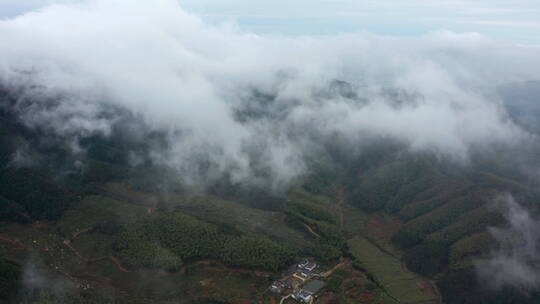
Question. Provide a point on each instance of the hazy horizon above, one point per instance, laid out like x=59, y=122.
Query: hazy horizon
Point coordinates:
x=516, y=21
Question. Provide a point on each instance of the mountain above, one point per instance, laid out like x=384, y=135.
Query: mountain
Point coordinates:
x=108, y=223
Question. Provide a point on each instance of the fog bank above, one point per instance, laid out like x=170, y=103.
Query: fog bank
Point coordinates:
x=243, y=103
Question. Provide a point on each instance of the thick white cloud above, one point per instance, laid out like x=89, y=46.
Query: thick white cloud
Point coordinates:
x=186, y=76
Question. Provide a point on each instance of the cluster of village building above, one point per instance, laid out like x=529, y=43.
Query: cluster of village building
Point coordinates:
x=302, y=280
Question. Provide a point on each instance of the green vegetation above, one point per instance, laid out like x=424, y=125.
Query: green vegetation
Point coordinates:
x=388, y=271
x=473, y=246
x=10, y=277
x=445, y=208
x=174, y=236
x=314, y=210
x=323, y=252
x=419, y=228
x=98, y=213
x=431, y=199
x=167, y=235
x=354, y=220
x=428, y=258
x=436, y=211
x=255, y=251
x=313, y=214
x=140, y=252
x=32, y=192
x=395, y=183
x=238, y=216
x=431, y=256
x=10, y=211
x=476, y=220
x=333, y=283
x=462, y=287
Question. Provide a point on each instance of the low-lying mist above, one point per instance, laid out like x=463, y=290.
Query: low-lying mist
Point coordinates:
x=516, y=261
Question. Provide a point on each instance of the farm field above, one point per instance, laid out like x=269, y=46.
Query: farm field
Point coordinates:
x=389, y=272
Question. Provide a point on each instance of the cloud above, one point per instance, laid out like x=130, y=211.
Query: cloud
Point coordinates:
x=10, y=8
x=506, y=23
x=193, y=80
x=516, y=262
x=39, y=284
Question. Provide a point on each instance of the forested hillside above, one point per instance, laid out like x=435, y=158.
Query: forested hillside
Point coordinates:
x=445, y=209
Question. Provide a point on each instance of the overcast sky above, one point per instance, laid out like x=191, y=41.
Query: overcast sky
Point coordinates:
x=516, y=20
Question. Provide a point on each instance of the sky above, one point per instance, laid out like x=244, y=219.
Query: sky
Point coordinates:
x=513, y=20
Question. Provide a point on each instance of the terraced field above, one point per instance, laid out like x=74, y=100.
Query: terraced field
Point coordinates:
x=389, y=272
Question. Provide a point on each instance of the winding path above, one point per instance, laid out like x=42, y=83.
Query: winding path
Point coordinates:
x=14, y=242
x=113, y=259
x=312, y=231
x=285, y=298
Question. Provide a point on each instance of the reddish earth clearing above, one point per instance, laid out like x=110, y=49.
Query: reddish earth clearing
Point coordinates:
x=328, y=298
x=380, y=228
x=79, y=232
x=91, y=260
x=16, y=244
x=426, y=287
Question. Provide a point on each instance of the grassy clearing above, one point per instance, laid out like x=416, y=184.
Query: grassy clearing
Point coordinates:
x=239, y=216
x=383, y=298
x=354, y=220
x=469, y=249
x=94, y=244
x=225, y=286
x=96, y=210
x=379, y=229
x=390, y=273
x=37, y=237
x=348, y=285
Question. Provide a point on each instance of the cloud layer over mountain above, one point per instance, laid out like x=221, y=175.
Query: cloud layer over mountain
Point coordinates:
x=244, y=102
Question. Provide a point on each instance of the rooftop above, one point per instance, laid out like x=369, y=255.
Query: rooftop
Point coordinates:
x=308, y=265
x=302, y=296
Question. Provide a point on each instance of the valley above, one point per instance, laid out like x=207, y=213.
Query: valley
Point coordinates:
x=77, y=253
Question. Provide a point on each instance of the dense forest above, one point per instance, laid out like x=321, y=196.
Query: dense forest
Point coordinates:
x=167, y=239
x=445, y=210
